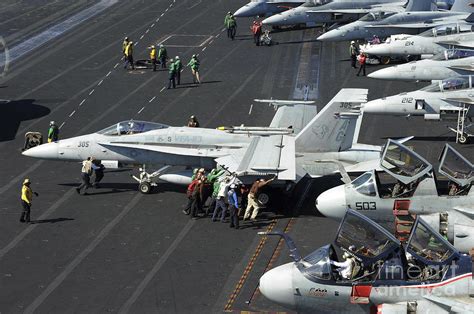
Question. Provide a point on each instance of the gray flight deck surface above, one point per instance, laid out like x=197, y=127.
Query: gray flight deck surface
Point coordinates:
x=116, y=250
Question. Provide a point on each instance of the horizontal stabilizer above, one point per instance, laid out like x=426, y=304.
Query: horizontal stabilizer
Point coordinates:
x=268, y=155
x=277, y=102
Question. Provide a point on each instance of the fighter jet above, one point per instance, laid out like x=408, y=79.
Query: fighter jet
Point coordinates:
x=449, y=98
x=266, y=7
x=413, y=21
x=407, y=188
x=313, y=13
x=379, y=273
x=428, y=43
x=296, y=144
x=450, y=63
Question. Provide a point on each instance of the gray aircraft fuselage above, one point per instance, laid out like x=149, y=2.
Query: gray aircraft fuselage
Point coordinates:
x=366, y=28
x=326, y=13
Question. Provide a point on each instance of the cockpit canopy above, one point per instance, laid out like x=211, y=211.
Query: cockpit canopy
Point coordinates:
x=376, y=16
x=449, y=29
x=365, y=184
x=403, y=163
x=365, y=239
x=428, y=245
x=455, y=83
x=131, y=127
x=454, y=166
x=452, y=54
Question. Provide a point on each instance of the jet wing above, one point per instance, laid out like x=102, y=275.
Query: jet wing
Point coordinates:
x=452, y=305
x=461, y=44
x=408, y=25
x=265, y=155
x=463, y=100
x=467, y=211
x=346, y=11
x=462, y=67
x=199, y=151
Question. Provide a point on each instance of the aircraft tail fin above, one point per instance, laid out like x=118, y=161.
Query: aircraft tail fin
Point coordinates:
x=421, y=5
x=335, y=126
x=463, y=6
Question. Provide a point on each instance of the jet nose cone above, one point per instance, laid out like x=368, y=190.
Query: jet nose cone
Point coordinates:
x=249, y=10
x=332, y=203
x=44, y=151
x=383, y=74
x=330, y=36
x=377, y=50
x=374, y=106
x=275, y=20
x=277, y=285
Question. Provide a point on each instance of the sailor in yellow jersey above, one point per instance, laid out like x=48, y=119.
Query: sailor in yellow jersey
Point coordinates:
x=26, y=198
x=153, y=57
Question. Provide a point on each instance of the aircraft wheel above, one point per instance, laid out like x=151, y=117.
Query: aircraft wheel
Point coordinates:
x=264, y=198
x=463, y=139
x=385, y=60
x=145, y=187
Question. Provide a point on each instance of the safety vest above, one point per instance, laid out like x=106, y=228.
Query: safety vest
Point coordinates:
x=153, y=54
x=26, y=194
x=129, y=49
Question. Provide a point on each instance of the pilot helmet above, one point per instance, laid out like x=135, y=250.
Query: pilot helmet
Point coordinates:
x=26, y=181
x=52, y=123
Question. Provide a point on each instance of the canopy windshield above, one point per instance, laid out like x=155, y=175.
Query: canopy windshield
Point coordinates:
x=364, y=238
x=317, y=264
x=454, y=166
x=444, y=30
x=429, y=245
x=365, y=184
x=452, y=54
x=403, y=163
x=131, y=127
x=375, y=16
x=456, y=83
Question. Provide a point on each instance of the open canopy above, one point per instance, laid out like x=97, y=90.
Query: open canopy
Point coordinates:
x=403, y=163
x=428, y=245
x=454, y=166
x=365, y=238
x=131, y=127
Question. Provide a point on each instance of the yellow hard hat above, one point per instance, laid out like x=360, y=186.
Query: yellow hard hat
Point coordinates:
x=26, y=181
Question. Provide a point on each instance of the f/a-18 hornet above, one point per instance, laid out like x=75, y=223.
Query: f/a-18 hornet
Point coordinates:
x=313, y=13
x=426, y=44
x=407, y=188
x=376, y=274
x=412, y=21
x=450, y=63
x=447, y=99
x=297, y=143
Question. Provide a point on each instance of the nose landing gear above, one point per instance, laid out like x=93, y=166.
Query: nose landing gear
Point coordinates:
x=146, y=181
